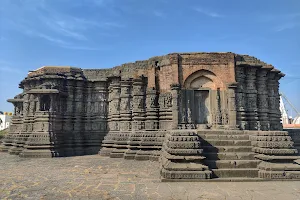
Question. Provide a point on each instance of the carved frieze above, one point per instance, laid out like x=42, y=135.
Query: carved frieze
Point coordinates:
x=165, y=100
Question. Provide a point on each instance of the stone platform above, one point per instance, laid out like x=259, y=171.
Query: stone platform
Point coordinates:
x=192, y=154
x=97, y=177
x=197, y=155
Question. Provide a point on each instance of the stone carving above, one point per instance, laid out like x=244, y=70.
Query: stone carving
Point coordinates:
x=165, y=100
x=152, y=109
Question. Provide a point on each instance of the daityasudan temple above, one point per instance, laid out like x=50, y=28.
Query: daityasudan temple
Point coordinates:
x=201, y=115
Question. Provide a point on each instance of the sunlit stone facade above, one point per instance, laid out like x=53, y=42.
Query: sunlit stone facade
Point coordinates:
x=162, y=109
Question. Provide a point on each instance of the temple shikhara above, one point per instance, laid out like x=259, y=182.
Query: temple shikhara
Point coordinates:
x=201, y=115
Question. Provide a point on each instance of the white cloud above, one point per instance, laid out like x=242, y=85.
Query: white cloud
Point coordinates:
x=283, y=27
x=280, y=21
x=208, y=12
x=46, y=37
x=48, y=21
x=59, y=42
x=85, y=48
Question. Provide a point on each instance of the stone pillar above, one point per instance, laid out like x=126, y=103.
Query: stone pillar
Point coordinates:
x=165, y=111
x=77, y=133
x=240, y=97
x=232, y=106
x=31, y=104
x=272, y=90
x=88, y=108
x=68, y=127
x=138, y=120
x=182, y=109
x=175, y=107
x=125, y=112
x=114, y=104
x=96, y=122
x=151, y=110
x=277, y=103
x=102, y=108
x=262, y=99
x=251, y=98
x=138, y=102
x=224, y=112
x=38, y=103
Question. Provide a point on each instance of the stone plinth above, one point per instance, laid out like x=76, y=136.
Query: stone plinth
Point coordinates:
x=182, y=156
x=277, y=152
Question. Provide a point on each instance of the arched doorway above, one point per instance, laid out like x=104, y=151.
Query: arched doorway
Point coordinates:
x=200, y=97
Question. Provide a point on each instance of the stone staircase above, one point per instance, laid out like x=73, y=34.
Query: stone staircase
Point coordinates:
x=228, y=154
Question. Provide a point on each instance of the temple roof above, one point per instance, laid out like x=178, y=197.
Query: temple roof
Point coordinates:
x=53, y=70
x=102, y=74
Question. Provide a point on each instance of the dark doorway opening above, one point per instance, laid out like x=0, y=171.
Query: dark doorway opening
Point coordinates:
x=201, y=106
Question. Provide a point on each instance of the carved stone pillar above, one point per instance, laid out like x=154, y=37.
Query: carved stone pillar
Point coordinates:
x=241, y=97
x=70, y=95
x=175, y=106
x=272, y=91
x=78, y=146
x=114, y=104
x=232, y=106
x=165, y=111
x=262, y=99
x=138, y=102
x=114, y=143
x=88, y=108
x=79, y=98
x=182, y=110
x=31, y=104
x=125, y=112
x=38, y=103
x=96, y=122
x=68, y=127
x=251, y=98
x=151, y=110
x=277, y=103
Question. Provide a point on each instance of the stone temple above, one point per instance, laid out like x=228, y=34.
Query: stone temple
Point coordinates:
x=201, y=115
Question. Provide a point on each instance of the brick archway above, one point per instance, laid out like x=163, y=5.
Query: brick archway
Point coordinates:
x=203, y=79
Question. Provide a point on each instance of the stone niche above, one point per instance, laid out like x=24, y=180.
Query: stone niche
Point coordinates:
x=202, y=115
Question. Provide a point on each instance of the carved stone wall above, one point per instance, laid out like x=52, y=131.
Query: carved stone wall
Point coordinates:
x=257, y=95
x=127, y=110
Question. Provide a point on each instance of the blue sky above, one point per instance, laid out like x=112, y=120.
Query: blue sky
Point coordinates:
x=106, y=33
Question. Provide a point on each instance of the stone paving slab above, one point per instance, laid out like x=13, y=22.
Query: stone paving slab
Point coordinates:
x=96, y=177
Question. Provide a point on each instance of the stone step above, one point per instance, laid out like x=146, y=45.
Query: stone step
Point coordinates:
x=232, y=173
x=232, y=164
x=212, y=149
x=229, y=156
x=224, y=137
x=225, y=142
x=216, y=179
x=220, y=132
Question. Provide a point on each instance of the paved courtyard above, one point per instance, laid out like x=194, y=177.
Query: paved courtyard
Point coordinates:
x=96, y=177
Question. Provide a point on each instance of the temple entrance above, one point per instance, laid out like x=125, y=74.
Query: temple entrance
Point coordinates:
x=201, y=106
